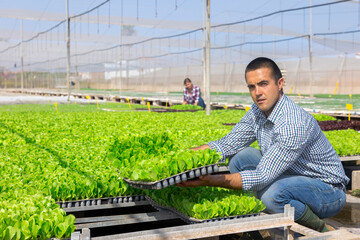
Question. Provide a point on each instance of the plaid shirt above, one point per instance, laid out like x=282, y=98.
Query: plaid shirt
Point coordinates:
x=193, y=97
x=291, y=143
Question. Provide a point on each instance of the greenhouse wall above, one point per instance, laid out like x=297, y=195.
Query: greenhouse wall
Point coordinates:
x=225, y=77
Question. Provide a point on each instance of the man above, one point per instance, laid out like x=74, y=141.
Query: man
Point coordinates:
x=192, y=94
x=296, y=165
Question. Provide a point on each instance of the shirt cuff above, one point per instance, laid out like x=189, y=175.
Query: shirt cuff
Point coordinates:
x=215, y=146
x=245, y=178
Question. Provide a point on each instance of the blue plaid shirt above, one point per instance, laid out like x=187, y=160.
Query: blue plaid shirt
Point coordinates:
x=291, y=143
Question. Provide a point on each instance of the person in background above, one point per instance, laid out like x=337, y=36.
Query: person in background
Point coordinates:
x=192, y=94
x=296, y=165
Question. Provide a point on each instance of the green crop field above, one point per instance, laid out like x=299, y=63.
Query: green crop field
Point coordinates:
x=47, y=156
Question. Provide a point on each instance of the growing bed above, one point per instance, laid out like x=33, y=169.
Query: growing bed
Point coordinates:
x=48, y=157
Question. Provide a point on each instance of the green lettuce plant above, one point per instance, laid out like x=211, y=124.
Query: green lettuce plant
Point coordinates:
x=207, y=202
x=152, y=157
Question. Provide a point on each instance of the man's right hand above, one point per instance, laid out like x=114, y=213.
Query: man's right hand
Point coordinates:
x=231, y=181
x=202, y=147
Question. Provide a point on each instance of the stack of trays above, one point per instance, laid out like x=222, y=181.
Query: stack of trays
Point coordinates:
x=181, y=177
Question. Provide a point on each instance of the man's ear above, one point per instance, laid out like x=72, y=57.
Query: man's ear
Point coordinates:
x=281, y=83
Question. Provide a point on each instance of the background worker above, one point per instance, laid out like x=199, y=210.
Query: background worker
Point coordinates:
x=192, y=94
x=297, y=165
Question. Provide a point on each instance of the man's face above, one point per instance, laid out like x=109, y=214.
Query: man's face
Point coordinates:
x=263, y=90
x=188, y=85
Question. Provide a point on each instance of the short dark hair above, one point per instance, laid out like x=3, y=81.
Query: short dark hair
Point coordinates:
x=187, y=80
x=263, y=62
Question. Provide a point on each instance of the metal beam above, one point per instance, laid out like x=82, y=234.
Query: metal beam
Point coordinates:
x=126, y=219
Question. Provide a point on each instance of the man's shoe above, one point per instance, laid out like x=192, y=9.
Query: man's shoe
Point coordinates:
x=328, y=228
x=311, y=220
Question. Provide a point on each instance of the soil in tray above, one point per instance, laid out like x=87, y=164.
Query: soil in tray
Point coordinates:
x=229, y=124
x=161, y=110
x=339, y=125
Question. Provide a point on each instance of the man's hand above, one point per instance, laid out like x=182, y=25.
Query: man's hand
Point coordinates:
x=197, y=182
x=202, y=147
x=232, y=181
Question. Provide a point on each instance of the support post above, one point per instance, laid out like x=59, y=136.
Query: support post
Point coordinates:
x=68, y=50
x=21, y=55
x=310, y=52
x=121, y=48
x=207, y=59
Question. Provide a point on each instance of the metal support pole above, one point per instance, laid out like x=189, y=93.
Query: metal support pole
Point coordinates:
x=297, y=78
x=207, y=59
x=204, y=48
x=48, y=75
x=21, y=55
x=340, y=73
x=68, y=50
x=310, y=52
x=121, y=47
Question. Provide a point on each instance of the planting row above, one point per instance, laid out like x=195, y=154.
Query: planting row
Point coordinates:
x=68, y=156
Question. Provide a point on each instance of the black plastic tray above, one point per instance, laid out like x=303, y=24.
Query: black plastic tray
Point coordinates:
x=101, y=201
x=181, y=177
x=192, y=220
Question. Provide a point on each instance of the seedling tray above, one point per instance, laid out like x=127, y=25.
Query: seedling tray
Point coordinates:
x=192, y=220
x=101, y=201
x=181, y=177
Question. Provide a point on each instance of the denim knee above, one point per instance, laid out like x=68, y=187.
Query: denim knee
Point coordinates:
x=246, y=159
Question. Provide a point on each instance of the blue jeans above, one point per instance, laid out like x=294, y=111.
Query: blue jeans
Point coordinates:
x=201, y=103
x=323, y=199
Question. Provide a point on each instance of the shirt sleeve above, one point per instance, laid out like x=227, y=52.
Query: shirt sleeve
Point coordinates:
x=197, y=94
x=241, y=136
x=288, y=146
x=184, y=94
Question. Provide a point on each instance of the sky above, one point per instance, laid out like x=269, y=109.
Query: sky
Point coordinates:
x=157, y=18
x=344, y=16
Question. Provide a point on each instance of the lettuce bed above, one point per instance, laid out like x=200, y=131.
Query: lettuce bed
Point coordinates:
x=47, y=157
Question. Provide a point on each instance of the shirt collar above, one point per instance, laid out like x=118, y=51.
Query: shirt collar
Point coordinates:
x=274, y=113
x=278, y=109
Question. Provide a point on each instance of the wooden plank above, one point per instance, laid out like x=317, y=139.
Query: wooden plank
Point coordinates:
x=85, y=234
x=210, y=229
x=350, y=158
x=337, y=234
x=304, y=230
